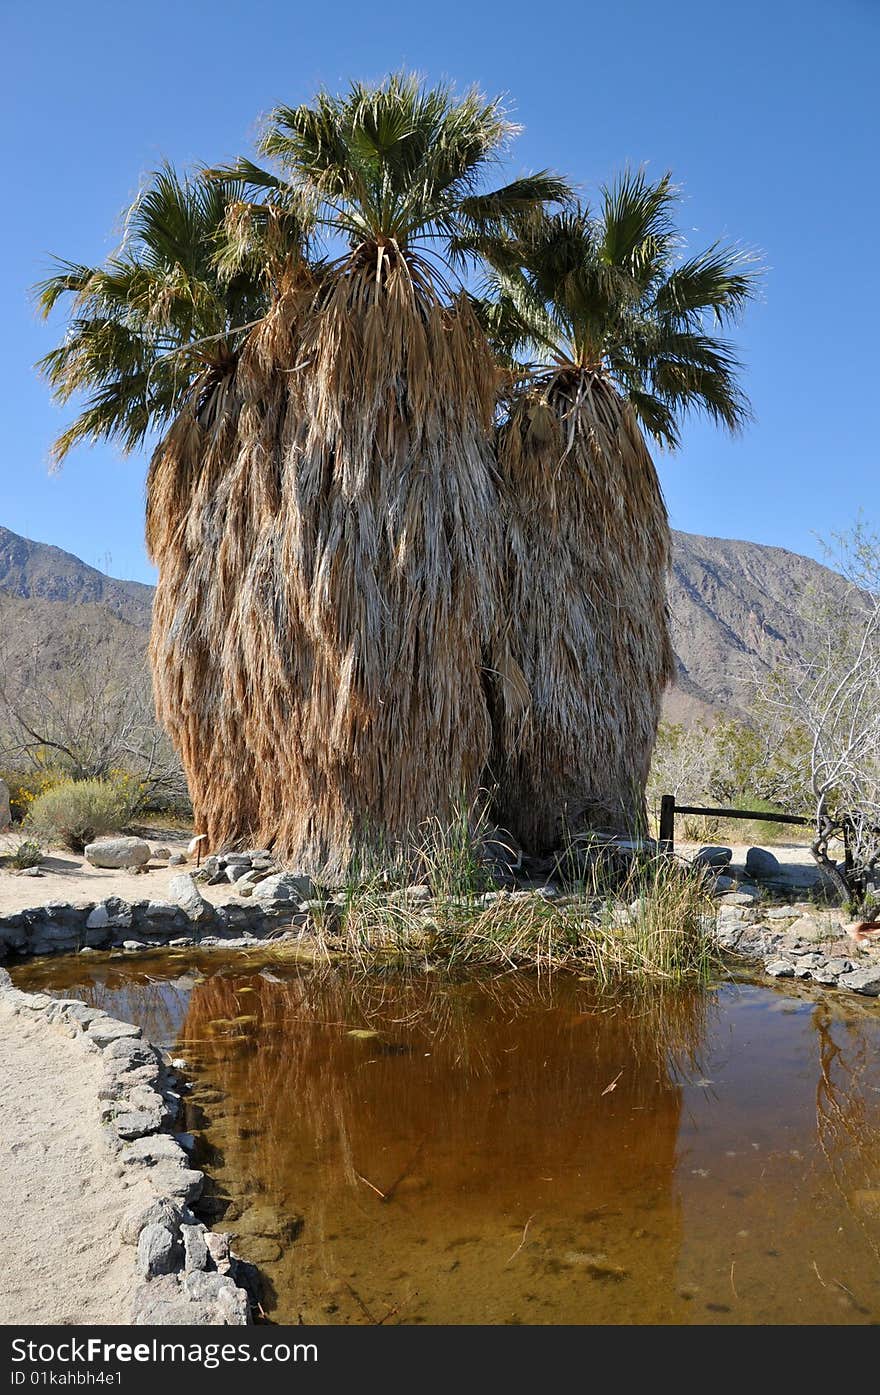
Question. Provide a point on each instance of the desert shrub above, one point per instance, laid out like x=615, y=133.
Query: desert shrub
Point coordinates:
x=76, y=812
x=27, y=785
x=27, y=854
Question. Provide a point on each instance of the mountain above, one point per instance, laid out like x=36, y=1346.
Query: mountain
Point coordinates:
x=36, y=571
x=734, y=608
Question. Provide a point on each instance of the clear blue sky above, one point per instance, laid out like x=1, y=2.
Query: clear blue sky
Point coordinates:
x=765, y=111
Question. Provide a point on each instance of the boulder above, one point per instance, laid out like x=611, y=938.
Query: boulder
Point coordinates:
x=762, y=864
x=160, y=1211
x=865, y=981
x=713, y=857
x=195, y=1249
x=118, y=852
x=112, y=913
x=157, y=1251
x=185, y=894
x=285, y=886
x=200, y=1300
x=103, y=1030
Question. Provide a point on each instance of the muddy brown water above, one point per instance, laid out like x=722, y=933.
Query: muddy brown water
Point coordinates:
x=504, y=1150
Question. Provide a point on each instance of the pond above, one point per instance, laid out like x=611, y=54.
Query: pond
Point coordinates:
x=394, y=1149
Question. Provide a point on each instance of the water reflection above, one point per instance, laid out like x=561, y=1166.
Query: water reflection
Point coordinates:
x=421, y=1150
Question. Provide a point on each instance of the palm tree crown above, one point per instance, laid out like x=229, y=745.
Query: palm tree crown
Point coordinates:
x=609, y=294
x=162, y=317
x=397, y=168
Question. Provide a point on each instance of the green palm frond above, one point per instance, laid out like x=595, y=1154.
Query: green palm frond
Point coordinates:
x=609, y=292
x=147, y=325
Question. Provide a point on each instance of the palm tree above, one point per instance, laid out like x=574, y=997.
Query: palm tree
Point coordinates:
x=323, y=506
x=389, y=510
x=170, y=336
x=616, y=317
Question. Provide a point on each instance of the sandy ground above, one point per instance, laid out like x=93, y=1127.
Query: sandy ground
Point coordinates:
x=67, y=877
x=60, y=1198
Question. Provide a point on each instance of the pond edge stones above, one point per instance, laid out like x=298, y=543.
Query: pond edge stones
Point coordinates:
x=181, y=1282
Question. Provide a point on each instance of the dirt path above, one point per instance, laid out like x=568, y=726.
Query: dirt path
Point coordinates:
x=60, y=1199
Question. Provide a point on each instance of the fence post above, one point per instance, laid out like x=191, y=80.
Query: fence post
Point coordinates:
x=667, y=823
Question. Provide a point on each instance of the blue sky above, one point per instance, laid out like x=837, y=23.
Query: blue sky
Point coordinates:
x=764, y=110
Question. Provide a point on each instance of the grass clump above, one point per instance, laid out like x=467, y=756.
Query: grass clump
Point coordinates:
x=654, y=920
x=28, y=853
x=76, y=812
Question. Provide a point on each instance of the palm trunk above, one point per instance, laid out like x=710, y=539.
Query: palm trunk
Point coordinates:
x=588, y=548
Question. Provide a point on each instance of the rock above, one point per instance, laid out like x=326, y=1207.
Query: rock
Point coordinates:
x=138, y=1123
x=839, y=966
x=236, y=870
x=160, y=910
x=162, y=854
x=184, y=1184
x=285, y=886
x=30, y=872
x=780, y=968
x=865, y=981
x=228, y=1301
x=160, y=1211
x=5, y=812
x=157, y=1251
x=103, y=1030
x=746, y=896
x=762, y=864
x=198, y=1300
x=114, y=912
x=151, y=1152
x=195, y=1249
x=218, y=1248
x=713, y=857
x=118, y=852
x=806, y=927
x=176, y=860
x=185, y=894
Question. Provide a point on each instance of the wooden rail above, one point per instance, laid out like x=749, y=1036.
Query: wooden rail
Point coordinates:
x=669, y=808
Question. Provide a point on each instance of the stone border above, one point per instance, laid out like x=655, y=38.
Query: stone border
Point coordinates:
x=58, y=927
x=188, y=1273
x=799, y=941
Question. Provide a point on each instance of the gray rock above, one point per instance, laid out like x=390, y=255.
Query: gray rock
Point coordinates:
x=137, y=1123
x=158, y=1251
x=153, y=1151
x=195, y=1250
x=113, y=912
x=160, y=1211
x=211, y=1300
x=745, y=896
x=185, y=894
x=236, y=870
x=285, y=886
x=839, y=966
x=103, y=1030
x=779, y=968
x=176, y=860
x=118, y=852
x=807, y=927
x=762, y=864
x=711, y=856
x=160, y=910
x=184, y=1184
x=865, y=981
